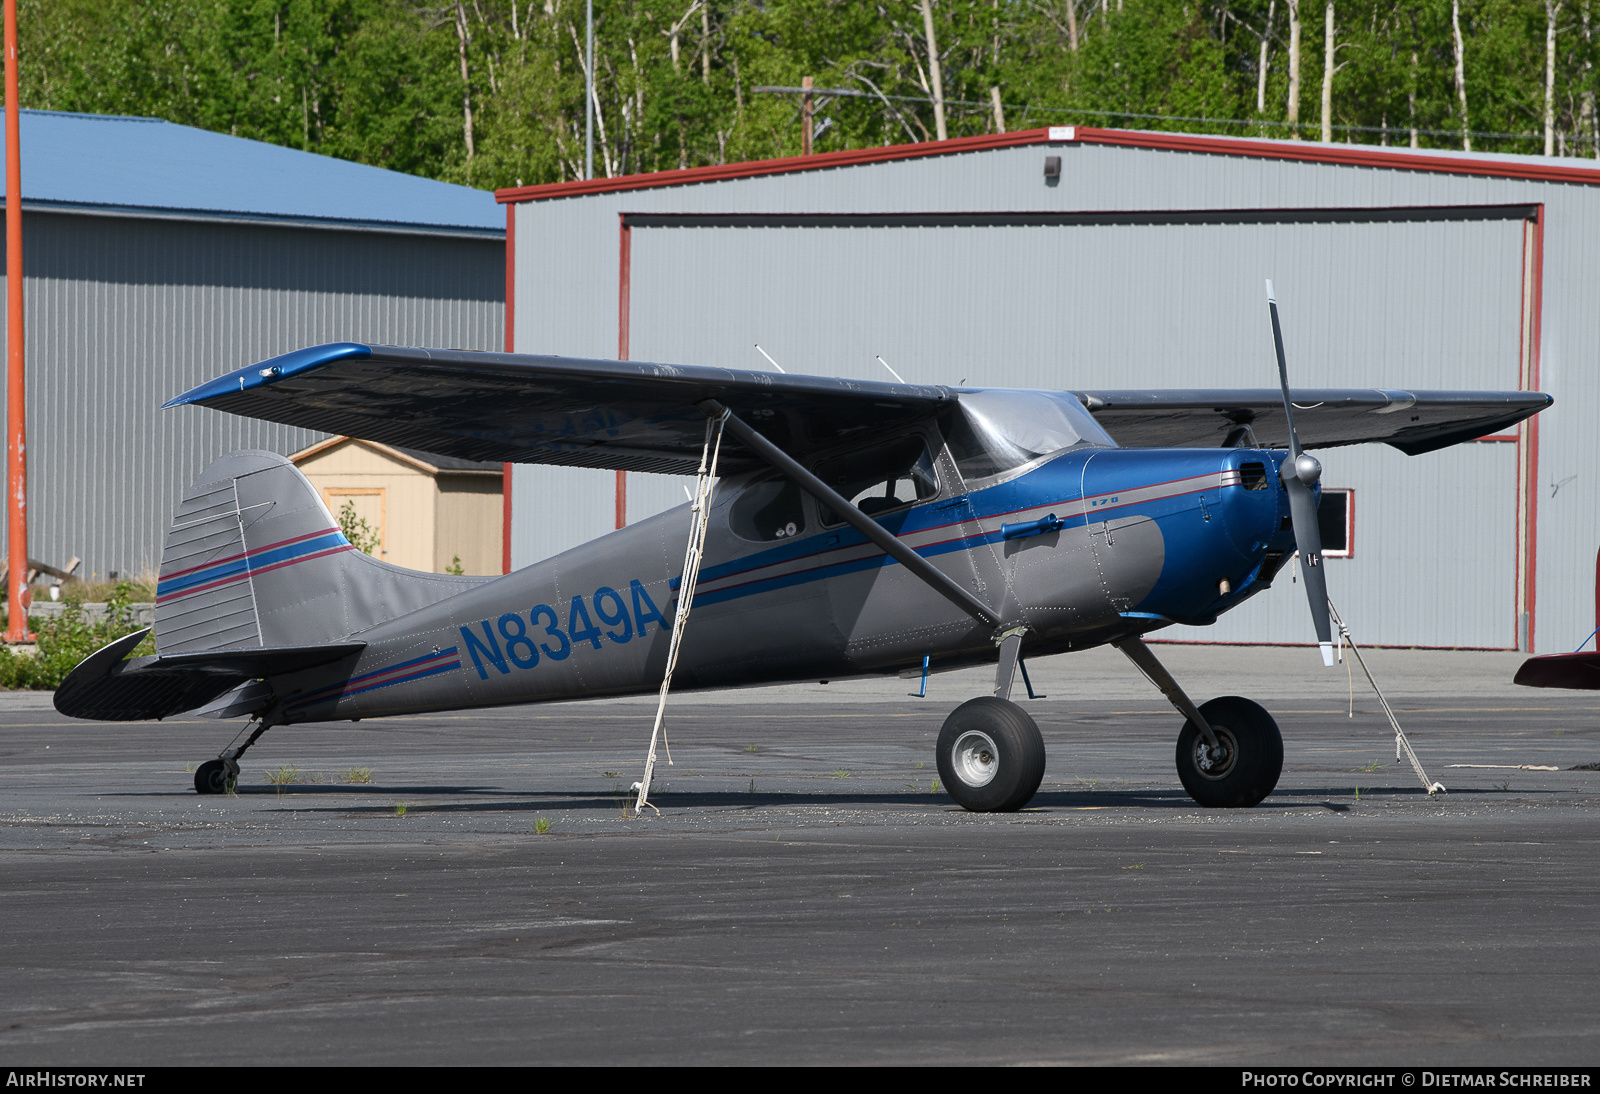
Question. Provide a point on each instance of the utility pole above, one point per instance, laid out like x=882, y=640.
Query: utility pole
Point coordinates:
x=806, y=113
x=933, y=70
x=588, y=89
x=16, y=403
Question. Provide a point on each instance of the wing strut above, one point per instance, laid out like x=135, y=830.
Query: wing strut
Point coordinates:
x=700, y=514
x=853, y=516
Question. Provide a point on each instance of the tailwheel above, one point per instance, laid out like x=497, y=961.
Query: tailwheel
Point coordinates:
x=215, y=776
x=1244, y=766
x=990, y=755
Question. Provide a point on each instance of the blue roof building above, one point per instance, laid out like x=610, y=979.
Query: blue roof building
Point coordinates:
x=110, y=163
x=157, y=256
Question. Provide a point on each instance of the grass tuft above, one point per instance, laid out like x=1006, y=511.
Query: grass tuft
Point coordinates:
x=541, y=825
x=284, y=776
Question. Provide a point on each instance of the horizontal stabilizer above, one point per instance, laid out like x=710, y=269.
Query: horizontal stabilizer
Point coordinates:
x=108, y=688
x=1579, y=671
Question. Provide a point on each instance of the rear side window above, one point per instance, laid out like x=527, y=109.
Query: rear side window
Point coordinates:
x=768, y=510
x=881, y=479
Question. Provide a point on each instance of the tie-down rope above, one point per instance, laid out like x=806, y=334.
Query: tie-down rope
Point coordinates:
x=699, y=519
x=1401, y=744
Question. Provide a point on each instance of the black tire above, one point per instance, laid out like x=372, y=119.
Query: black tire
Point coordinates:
x=991, y=756
x=211, y=777
x=1253, y=757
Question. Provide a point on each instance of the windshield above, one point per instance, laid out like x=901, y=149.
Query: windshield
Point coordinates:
x=996, y=430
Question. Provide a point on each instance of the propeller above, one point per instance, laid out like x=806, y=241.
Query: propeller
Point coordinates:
x=1300, y=473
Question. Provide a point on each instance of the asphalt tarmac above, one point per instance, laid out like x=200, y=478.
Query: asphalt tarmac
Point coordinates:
x=806, y=895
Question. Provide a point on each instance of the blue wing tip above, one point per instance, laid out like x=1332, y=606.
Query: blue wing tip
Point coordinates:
x=270, y=371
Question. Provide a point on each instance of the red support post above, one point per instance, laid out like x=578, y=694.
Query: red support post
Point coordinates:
x=624, y=312
x=511, y=347
x=16, y=393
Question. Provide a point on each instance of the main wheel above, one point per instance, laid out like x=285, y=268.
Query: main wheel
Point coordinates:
x=991, y=756
x=211, y=777
x=1251, y=754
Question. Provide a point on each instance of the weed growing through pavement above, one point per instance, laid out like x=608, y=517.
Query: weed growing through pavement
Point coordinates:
x=399, y=809
x=357, y=775
x=188, y=767
x=841, y=774
x=541, y=825
x=1375, y=765
x=934, y=786
x=613, y=774
x=283, y=776
x=752, y=748
x=1504, y=787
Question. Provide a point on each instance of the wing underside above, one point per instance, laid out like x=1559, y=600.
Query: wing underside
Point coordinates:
x=639, y=416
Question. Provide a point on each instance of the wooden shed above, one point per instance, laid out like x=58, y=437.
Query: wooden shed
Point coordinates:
x=426, y=511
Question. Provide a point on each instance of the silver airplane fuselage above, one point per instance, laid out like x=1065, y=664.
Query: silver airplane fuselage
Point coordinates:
x=1084, y=547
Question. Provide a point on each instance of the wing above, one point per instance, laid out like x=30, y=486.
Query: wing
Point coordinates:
x=1412, y=421
x=638, y=416
x=516, y=408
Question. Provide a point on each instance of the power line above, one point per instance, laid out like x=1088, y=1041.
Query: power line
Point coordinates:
x=1026, y=108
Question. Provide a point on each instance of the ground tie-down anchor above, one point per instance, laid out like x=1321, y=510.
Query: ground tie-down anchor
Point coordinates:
x=1401, y=743
x=699, y=518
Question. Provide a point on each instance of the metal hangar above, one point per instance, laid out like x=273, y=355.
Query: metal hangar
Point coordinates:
x=1071, y=258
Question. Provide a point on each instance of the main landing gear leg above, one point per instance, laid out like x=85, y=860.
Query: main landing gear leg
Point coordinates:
x=990, y=752
x=218, y=775
x=1230, y=752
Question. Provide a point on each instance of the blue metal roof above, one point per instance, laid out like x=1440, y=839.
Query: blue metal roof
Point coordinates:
x=111, y=163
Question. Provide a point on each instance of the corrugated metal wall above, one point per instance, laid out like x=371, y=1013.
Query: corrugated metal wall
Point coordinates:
x=1149, y=306
x=1420, y=305
x=122, y=314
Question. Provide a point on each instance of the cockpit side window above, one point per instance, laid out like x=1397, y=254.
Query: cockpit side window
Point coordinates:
x=768, y=510
x=881, y=479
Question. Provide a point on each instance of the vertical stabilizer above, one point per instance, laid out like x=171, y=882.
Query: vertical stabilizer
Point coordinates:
x=254, y=559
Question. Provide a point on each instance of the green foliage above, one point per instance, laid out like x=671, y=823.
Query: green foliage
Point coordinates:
x=361, y=535
x=70, y=637
x=455, y=566
x=490, y=93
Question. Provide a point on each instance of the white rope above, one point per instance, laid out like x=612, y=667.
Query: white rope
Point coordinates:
x=1401, y=744
x=699, y=519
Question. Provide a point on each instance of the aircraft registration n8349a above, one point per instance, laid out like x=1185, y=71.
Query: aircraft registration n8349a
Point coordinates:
x=841, y=528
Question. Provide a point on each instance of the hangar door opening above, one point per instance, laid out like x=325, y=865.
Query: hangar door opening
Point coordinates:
x=1409, y=299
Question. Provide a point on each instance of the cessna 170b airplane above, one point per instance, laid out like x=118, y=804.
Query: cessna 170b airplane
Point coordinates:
x=854, y=528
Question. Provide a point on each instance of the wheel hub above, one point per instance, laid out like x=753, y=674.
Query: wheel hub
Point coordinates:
x=975, y=758
x=1214, y=763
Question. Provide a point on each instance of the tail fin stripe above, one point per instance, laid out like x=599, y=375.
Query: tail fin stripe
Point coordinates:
x=168, y=579
x=241, y=569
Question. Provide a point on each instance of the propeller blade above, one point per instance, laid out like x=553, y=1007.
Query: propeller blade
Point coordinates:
x=1300, y=474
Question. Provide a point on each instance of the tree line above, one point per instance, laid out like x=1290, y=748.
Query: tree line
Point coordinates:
x=491, y=93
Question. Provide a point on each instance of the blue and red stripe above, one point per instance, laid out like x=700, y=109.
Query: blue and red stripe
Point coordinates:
x=272, y=556
x=432, y=664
